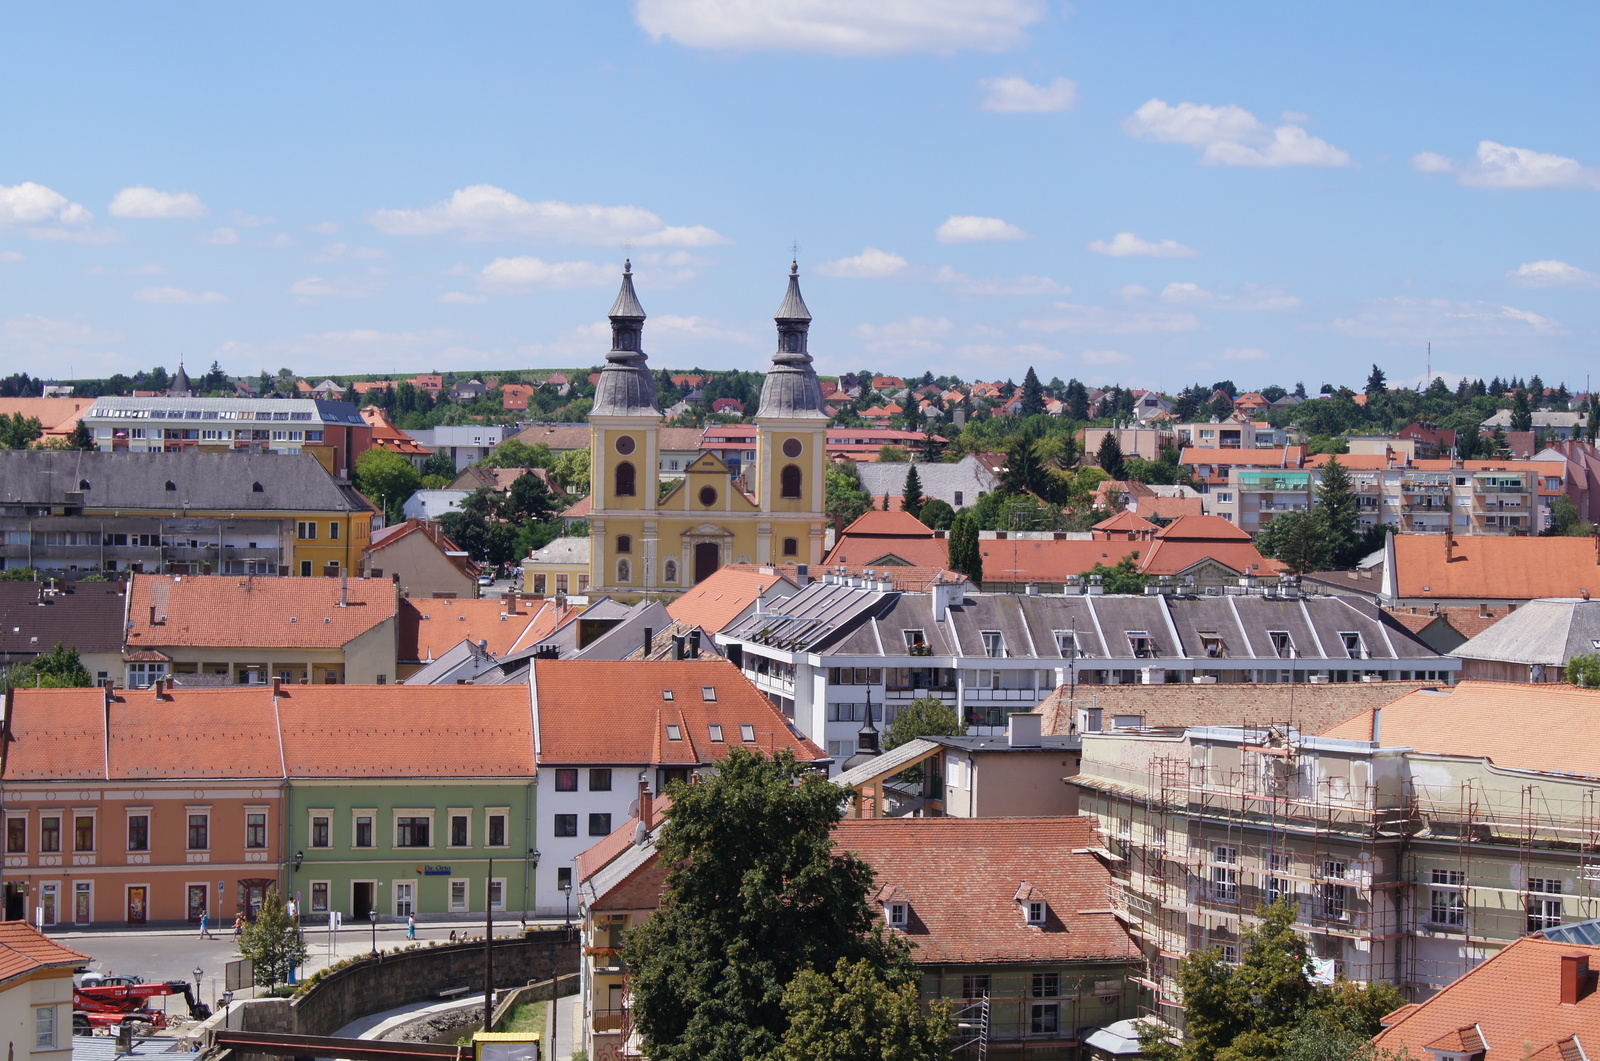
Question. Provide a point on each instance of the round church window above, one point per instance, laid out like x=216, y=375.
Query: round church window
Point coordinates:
x=792, y=447
x=708, y=496
x=625, y=445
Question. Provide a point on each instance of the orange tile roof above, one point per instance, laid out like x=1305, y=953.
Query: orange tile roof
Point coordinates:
x=406, y=731
x=1125, y=522
x=432, y=626
x=716, y=601
x=1474, y=719
x=24, y=949
x=1494, y=567
x=387, y=436
x=1512, y=1002
x=57, y=416
x=877, y=534
x=1032, y=560
x=600, y=711
x=1272, y=457
x=56, y=734
x=961, y=876
x=233, y=610
x=1357, y=462
x=546, y=620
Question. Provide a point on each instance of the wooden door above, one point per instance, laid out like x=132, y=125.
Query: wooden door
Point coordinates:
x=706, y=561
x=137, y=899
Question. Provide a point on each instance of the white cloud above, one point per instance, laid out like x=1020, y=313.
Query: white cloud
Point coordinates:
x=915, y=335
x=1230, y=136
x=244, y=220
x=1132, y=291
x=841, y=27
x=323, y=228
x=1408, y=320
x=1127, y=245
x=281, y=240
x=462, y=298
x=1552, y=274
x=11, y=256
x=966, y=229
x=1000, y=285
x=222, y=237
x=1250, y=297
x=147, y=204
x=1243, y=353
x=527, y=272
x=313, y=287
x=870, y=263
x=1105, y=357
x=671, y=326
x=484, y=212
x=1499, y=166
x=177, y=296
x=335, y=251
x=1018, y=95
x=34, y=204
x=1072, y=318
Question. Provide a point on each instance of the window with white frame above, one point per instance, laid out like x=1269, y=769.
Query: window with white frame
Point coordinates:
x=1282, y=643
x=994, y=644
x=1278, y=883
x=321, y=829
x=1066, y=643
x=1225, y=874
x=460, y=828
x=1141, y=644
x=319, y=896
x=497, y=894
x=413, y=828
x=1335, y=894
x=458, y=896
x=1035, y=910
x=897, y=914
x=1354, y=647
x=1544, y=903
x=497, y=832
x=44, y=1027
x=1447, y=901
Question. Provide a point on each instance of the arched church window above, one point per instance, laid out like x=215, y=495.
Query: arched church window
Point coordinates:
x=789, y=481
x=791, y=547
x=625, y=480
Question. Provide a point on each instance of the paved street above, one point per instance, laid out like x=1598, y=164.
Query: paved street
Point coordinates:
x=173, y=954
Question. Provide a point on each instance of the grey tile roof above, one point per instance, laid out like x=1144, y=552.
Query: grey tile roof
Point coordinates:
x=137, y=482
x=1549, y=631
x=968, y=476
x=86, y=616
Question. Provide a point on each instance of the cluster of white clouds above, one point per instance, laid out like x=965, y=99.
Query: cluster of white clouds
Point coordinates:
x=1232, y=136
x=148, y=204
x=1127, y=245
x=842, y=27
x=1018, y=95
x=177, y=296
x=1106, y=320
x=1250, y=297
x=871, y=263
x=1552, y=274
x=977, y=230
x=1499, y=166
x=485, y=212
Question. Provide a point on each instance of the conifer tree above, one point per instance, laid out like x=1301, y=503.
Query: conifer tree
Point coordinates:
x=911, y=496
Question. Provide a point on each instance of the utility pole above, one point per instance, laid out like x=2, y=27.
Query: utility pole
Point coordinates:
x=488, y=950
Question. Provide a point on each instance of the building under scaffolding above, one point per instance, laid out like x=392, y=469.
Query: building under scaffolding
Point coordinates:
x=1406, y=866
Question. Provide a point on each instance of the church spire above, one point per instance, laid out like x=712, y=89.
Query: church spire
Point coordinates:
x=626, y=387
x=791, y=388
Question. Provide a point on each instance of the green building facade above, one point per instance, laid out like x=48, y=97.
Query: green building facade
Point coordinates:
x=417, y=846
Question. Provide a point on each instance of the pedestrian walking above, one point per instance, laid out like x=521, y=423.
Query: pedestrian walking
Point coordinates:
x=205, y=927
x=411, y=927
x=238, y=926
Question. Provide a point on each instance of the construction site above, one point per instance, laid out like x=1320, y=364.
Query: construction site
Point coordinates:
x=1403, y=866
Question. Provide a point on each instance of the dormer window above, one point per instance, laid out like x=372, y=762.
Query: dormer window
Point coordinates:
x=1141, y=644
x=1067, y=643
x=916, y=642
x=898, y=915
x=994, y=644
x=1211, y=644
x=1282, y=643
x=1353, y=646
x=171, y=485
x=1036, y=911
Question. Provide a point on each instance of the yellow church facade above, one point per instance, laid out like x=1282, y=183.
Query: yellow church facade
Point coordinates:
x=645, y=542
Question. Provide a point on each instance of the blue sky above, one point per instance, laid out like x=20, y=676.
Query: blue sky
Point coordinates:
x=1154, y=194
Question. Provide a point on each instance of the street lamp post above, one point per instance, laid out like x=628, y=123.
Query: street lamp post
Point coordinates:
x=372, y=915
x=199, y=976
x=566, y=890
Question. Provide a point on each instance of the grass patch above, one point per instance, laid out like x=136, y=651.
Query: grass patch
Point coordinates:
x=524, y=1017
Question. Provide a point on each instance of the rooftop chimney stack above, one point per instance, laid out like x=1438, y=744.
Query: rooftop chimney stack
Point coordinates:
x=649, y=641
x=1574, y=978
x=802, y=575
x=1024, y=729
x=646, y=810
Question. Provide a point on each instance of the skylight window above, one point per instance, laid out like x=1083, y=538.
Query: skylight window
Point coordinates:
x=674, y=731
x=666, y=694
x=747, y=733
x=716, y=732
x=708, y=693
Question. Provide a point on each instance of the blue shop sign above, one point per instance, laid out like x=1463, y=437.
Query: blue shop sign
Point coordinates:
x=434, y=871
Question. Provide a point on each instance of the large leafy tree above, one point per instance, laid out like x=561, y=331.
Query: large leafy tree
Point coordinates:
x=60, y=668
x=855, y=1013
x=926, y=716
x=843, y=498
x=387, y=478
x=515, y=453
x=756, y=895
x=1123, y=578
x=964, y=554
x=1336, y=511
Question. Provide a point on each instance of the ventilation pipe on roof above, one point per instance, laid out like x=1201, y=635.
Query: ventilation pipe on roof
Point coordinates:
x=649, y=641
x=646, y=811
x=344, y=588
x=694, y=643
x=677, y=646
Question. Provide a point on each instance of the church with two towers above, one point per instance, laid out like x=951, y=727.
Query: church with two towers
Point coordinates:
x=643, y=541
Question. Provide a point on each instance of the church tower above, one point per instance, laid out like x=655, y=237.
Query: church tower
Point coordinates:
x=791, y=442
x=624, y=456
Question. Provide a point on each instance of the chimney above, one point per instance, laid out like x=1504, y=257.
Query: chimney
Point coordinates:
x=1024, y=729
x=344, y=588
x=677, y=646
x=1574, y=977
x=646, y=810
x=694, y=643
x=153, y=611
x=161, y=689
x=649, y=641
x=277, y=685
x=1449, y=544
x=802, y=575
x=510, y=599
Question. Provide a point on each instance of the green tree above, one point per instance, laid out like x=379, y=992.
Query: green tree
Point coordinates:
x=1296, y=538
x=1584, y=671
x=60, y=668
x=515, y=453
x=1109, y=456
x=80, y=438
x=1032, y=395
x=1336, y=509
x=1565, y=521
x=571, y=470
x=273, y=941
x=937, y=514
x=1123, y=578
x=18, y=431
x=926, y=716
x=1023, y=472
x=755, y=894
x=1377, y=382
x=1521, y=412
x=911, y=495
x=843, y=499
x=964, y=555
x=439, y=464
x=528, y=500
x=387, y=478
x=1220, y=407
x=856, y=1013
x=889, y=454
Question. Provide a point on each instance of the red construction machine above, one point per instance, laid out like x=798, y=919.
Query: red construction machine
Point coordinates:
x=113, y=1000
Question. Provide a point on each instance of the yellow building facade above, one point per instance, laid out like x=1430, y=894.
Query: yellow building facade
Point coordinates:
x=644, y=542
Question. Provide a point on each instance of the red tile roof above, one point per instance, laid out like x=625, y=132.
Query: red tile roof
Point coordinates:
x=430, y=627
x=1512, y=1002
x=960, y=877
x=1495, y=568
x=716, y=601
x=1190, y=539
x=1471, y=719
x=1274, y=457
x=234, y=610
x=600, y=711
x=386, y=436
x=406, y=731
x=24, y=949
